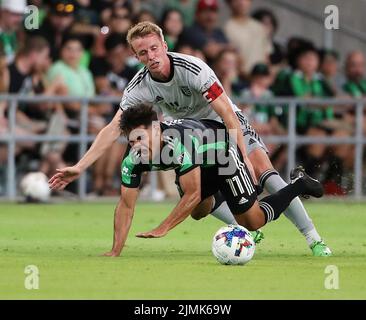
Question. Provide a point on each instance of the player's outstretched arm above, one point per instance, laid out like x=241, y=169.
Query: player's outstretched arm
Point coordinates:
x=223, y=108
x=191, y=185
x=123, y=215
x=102, y=142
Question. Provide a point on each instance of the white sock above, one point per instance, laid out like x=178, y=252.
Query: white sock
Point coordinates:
x=296, y=212
x=312, y=236
x=224, y=214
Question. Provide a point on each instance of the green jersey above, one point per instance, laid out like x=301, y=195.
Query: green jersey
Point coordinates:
x=9, y=44
x=187, y=144
x=355, y=89
x=316, y=87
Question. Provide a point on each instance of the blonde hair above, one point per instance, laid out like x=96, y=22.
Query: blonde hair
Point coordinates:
x=142, y=29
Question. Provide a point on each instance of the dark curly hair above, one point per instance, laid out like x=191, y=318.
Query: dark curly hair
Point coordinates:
x=136, y=116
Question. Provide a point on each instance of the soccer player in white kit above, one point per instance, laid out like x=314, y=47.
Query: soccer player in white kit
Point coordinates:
x=183, y=86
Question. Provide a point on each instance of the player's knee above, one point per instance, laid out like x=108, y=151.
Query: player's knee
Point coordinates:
x=197, y=215
x=251, y=224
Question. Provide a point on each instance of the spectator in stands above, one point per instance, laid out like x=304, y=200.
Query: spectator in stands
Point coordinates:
x=355, y=74
x=187, y=7
x=155, y=7
x=145, y=15
x=26, y=76
x=355, y=84
x=316, y=120
x=270, y=23
x=52, y=113
x=204, y=34
x=11, y=18
x=4, y=72
x=226, y=67
x=281, y=86
x=313, y=157
x=265, y=118
x=338, y=174
x=248, y=35
x=112, y=72
x=186, y=48
x=61, y=22
x=79, y=83
x=31, y=56
x=329, y=65
x=4, y=85
x=260, y=82
x=172, y=25
x=57, y=25
x=121, y=19
x=306, y=81
x=106, y=7
x=86, y=13
x=77, y=79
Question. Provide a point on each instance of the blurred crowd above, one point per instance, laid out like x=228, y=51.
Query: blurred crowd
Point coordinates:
x=79, y=49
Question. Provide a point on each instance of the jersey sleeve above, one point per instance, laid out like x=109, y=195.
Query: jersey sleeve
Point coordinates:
x=136, y=91
x=131, y=171
x=206, y=82
x=130, y=99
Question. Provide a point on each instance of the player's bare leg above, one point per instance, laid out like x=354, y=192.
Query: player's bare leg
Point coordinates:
x=203, y=209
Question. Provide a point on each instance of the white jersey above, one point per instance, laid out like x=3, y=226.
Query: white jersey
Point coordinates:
x=188, y=93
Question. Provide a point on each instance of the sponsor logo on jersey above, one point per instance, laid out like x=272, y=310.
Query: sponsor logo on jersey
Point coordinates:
x=125, y=172
x=173, y=122
x=186, y=91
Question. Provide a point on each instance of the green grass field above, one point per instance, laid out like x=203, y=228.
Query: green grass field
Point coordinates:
x=65, y=242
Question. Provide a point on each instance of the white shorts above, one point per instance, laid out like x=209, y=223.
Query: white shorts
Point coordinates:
x=252, y=139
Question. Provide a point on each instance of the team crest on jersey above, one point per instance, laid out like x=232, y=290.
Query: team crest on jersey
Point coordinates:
x=186, y=91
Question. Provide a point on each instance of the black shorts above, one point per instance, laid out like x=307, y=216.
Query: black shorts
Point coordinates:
x=236, y=186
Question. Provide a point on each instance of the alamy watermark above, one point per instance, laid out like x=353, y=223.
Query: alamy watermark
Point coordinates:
x=31, y=281
x=186, y=146
x=331, y=280
x=331, y=21
x=31, y=21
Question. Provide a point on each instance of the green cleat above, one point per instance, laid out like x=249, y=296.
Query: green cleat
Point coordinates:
x=258, y=236
x=320, y=249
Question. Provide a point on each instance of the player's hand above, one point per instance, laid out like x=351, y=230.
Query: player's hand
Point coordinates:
x=156, y=233
x=63, y=177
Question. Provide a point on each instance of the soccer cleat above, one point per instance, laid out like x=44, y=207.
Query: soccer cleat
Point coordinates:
x=313, y=187
x=257, y=235
x=320, y=249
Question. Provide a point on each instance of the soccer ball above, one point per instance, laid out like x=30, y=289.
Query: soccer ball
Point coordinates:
x=34, y=187
x=233, y=244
